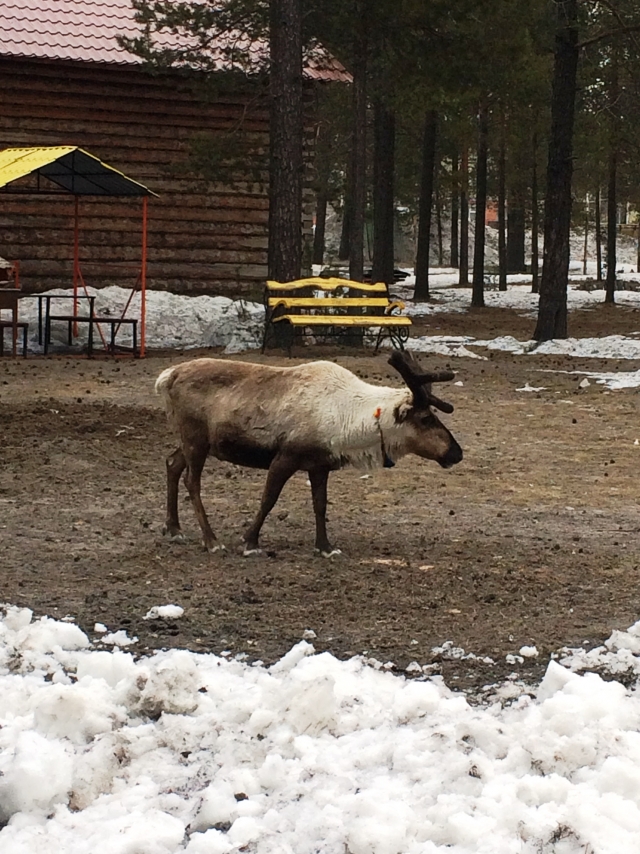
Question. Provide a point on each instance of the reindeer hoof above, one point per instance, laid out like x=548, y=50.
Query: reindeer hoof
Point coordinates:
x=249, y=551
x=174, y=536
x=328, y=553
x=218, y=547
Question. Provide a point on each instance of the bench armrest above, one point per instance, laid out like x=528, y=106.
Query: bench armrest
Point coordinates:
x=396, y=305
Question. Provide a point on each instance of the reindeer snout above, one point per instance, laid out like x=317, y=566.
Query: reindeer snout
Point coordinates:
x=453, y=456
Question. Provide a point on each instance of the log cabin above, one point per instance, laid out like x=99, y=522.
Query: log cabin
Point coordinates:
x=66, y=80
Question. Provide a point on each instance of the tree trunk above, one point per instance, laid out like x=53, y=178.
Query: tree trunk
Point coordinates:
x=439, y=223
x=463, y=279
x=534, y=218
x=345, y=231
x=552, y=310
x=383, y=198
x=612, y=228
x=516, y=235
x=477, y=294
x=454, y=257
x=598, y=230
x=585, y=248
x=345, y=228
x=286, y=141
x=359, y=159
x=502, y=210
x=321, y=223
x=426, y=199
x=612, y=196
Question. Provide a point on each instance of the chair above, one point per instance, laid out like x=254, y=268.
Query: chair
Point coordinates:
x=9, y=298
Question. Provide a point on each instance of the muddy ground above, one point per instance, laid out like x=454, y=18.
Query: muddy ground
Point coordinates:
x=533, y=540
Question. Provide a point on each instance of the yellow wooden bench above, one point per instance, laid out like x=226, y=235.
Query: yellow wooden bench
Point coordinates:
x=327, y=306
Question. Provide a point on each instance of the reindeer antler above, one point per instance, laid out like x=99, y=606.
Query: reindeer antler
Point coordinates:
x=420, y=381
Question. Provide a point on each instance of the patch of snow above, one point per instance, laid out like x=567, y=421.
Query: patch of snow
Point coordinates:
x=529, y=651
x=613, y=380
x=119, y=638
x=443, y=345
x=527, y=387
x=164, y=612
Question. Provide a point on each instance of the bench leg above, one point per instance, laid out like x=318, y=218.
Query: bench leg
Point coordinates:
x=134, y=336
x=25, y=329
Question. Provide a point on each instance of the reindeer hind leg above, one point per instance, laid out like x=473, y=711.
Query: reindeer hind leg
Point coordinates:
x=176, y=464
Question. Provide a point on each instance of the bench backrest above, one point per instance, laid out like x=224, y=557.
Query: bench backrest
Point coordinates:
x=338, y=287
x=327, y=297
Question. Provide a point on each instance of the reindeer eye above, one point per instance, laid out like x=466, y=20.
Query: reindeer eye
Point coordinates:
x=426, y=419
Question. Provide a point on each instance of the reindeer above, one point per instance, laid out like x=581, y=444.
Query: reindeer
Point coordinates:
x=317, y=417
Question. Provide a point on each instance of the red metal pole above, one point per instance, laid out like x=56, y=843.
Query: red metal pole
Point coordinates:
x=143, y=280
x=76, y=265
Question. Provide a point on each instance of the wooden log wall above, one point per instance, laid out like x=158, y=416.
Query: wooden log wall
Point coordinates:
x=202, y=238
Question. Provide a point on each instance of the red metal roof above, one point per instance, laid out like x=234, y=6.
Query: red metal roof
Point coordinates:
x=87, y=30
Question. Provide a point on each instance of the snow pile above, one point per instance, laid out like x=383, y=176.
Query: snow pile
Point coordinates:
x=172, y=320
x=191, y=752
x=619, y=655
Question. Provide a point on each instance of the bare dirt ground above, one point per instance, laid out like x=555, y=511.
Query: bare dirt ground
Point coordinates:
x=533, y=540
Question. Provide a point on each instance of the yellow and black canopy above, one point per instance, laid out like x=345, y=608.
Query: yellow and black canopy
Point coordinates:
x=71, y=168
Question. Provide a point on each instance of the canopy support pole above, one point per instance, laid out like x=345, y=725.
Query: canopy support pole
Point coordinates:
x=76, y=263
x=143, y=279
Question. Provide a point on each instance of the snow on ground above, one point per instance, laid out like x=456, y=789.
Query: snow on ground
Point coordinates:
x=186, y=752
x=518, y=297
x=609, y=347
x=623, y=379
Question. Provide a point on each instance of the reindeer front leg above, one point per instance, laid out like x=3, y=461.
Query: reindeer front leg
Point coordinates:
x=319, y=478
x=195, y=454
x=280, y=470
